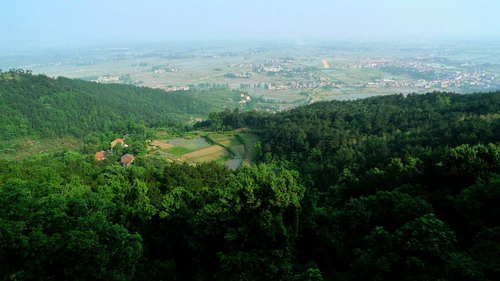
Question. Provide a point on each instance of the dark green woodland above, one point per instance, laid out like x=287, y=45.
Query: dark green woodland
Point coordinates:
x=384, y=188
x=39, y=106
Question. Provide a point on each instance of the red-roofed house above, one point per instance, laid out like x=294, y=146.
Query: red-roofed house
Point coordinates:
x=115, y=142
x=101, y=155
x=126, y=159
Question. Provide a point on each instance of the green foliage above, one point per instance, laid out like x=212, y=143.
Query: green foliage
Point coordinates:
x=323, y=139
x=36, y=105
x=389, y=188
x=61, y=232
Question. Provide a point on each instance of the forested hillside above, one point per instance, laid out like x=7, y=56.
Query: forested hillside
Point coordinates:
x=397, y=188
x=388, y=188
x=322, y=140
x=39, y=106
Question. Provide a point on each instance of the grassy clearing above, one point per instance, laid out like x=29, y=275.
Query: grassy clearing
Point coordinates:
x=219, y=137
x=21, y=148
x=178, y=150
x=235, y=142
x=238, y=150
x=231, y=148
x=223, y=139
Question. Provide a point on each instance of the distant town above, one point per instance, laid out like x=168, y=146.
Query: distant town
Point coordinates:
x=284, y=75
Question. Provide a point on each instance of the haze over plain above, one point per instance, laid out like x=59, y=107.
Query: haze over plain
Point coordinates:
x=55, y=23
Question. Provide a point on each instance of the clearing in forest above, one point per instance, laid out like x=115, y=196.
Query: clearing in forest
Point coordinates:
x=205, y=151
x=231, y=148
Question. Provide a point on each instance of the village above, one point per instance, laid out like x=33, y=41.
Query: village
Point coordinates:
x=280, y=77
x=170, y=88
x=427, y=75
x=125, y=159
x=231, y=148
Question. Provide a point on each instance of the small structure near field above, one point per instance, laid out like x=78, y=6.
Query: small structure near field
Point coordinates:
x=101, y=155
x=126, y=160
x=117, y=141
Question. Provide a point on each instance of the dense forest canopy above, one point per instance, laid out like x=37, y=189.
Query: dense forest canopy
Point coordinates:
x=326, y=138
x=36, y=105
x=387, y=188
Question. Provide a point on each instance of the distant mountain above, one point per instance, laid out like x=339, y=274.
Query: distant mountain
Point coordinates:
x=37, y=105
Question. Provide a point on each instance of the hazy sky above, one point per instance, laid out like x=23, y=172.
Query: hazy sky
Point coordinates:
x=71, y=23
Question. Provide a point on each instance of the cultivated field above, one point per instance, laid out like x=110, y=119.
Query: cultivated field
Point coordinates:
x=231, y=148
x=162, y=145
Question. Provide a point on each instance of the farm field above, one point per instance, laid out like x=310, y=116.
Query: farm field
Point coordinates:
x=231, y=148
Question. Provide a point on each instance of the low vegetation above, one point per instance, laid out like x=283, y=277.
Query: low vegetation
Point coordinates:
x=202, y=146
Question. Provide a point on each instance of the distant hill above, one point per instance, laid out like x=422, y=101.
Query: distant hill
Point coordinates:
x=37, y=105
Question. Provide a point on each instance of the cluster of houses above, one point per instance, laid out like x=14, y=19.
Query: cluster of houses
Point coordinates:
x=244, y=99
x=125, y=160
x=170, y=88
x=160, y=70
x=238, y=75
x=107, y=79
